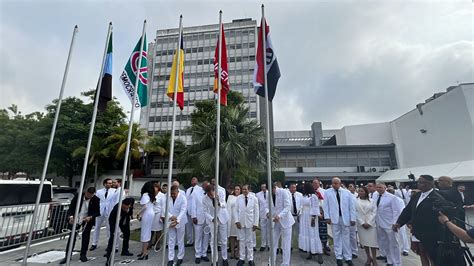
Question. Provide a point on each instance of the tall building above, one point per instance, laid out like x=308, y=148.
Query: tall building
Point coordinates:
x=199, y=45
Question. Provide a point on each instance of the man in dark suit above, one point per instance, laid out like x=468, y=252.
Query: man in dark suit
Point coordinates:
x=451, y=194
x=124, y=225
x=88, y=211
x=421, y=213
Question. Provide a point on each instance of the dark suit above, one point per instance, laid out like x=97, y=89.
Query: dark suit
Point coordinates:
x=124, y=226
x=425, y=224
x=93, y=211
x=452, y=195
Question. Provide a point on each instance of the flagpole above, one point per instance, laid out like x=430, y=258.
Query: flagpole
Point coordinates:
x=267, y=122
x=215, y=256
x=48, y=152
x=173, y=125
x=129, y=138
x=86, y=157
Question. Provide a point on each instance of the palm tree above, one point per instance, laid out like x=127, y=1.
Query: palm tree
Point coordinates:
x=160, y=145
x=99, y=150
x=118, y=140
x=242, y=142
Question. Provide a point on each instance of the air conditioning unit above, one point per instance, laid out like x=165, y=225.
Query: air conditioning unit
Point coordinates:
x=299, y=169
x=373, y=169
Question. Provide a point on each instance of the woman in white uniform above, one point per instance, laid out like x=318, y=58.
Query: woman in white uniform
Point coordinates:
x=232, y=229
x=309, y=230
x=157, y=225
x=147, y=215
x=366, y=211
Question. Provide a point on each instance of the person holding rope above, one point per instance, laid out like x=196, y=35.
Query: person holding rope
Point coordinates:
x=124, y=225
x=88, y=211
x=177, y=208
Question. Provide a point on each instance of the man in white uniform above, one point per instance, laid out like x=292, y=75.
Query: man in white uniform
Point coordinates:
x=388, y=210
x=340, y=213
x=283, y=222
x=295, y=208
x=246, y=219
x=107, y=202
x=190, y=192
x=222, y=219
x=177, y=223
x=201, y=238
x=355, y=250
x=402, y=234
x=262, y=197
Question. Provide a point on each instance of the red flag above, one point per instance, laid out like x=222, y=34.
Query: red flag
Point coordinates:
x=225, y=85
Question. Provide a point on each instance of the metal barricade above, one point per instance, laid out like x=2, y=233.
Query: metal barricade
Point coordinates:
x=15, y=222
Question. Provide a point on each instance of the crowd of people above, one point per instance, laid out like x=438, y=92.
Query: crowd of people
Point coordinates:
x=381, y=219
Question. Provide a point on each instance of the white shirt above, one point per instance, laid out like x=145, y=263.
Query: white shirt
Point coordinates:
x=462, y=196
x=84, y=209
x=423, y=196
x=246, y=214
x=263, y=203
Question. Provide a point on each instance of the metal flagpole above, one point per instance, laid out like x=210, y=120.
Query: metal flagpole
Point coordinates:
x=48, y=152
x=269, y=158
x=173, y=124
x=86, y=157
x=127, y=150
x=215, y=256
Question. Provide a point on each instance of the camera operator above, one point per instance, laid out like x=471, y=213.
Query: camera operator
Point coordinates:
x=463, y=235
x=451, y=194
x=421, y=212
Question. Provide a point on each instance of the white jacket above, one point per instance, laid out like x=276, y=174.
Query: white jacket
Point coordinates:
x=247, y=215
x=282, y=208
x=189, y=196
x=106, y=204
x=331, y=206
x=390, y=207
x=197, y=208
x=263, y=203
x=178, y=209
x=208, y=206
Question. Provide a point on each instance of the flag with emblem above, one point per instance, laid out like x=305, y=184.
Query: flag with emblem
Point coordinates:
x=129, y=75
x=225, y=85
x=273, y=71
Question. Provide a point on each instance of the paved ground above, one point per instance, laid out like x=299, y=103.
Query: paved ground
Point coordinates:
x=13, y=257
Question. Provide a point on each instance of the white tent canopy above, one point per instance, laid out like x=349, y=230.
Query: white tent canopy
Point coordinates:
x=459, y=171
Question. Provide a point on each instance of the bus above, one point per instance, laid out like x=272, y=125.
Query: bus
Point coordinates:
x=17, y=204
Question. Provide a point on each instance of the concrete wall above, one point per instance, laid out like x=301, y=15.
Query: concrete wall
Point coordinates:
x=447, y=123
x=368, y=134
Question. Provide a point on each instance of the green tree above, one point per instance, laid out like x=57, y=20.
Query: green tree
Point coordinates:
x=118, y=141
x=159, y=146
x=242, y=146
x=100, y=150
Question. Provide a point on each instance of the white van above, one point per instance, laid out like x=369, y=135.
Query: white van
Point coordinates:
x=17, y=204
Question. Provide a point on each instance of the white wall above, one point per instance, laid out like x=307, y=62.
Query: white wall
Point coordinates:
x=449, y=137
x=368, y=134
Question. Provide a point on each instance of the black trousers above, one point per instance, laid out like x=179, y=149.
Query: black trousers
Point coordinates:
x=86, y=235
x=124, y=226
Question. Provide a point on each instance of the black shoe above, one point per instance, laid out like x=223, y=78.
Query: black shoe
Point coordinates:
x=380, y=257
x=225, y=263
x=170, y=263
x=339, y=263
x=143, y=257
x=254, y=249
x=251, y=263
x=93, y=247
x=310, y=256
x=218, y=248
x=389, y=264
x=189, y=245
x=327, y=248
x=180, y=261
x=126, y=253
x=404, y=253
x=320, y=259
x=206, y=259
x=241, y=263
x=208, y=250
x=262, y=249
x=327, y=251
x=63, y=261
x=354, y=256
x=197, y=260
x=84, y=259
x=349, y=262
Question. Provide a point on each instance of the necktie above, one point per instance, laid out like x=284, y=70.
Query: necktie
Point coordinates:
x=294, y=204
x=403, y=194
x=371, y=195
x=246, y=201
x=191, y=191
x=378, y=200
x=274, y=199
x=320, y=196
x=264, y=195
x=339, y=202
x=106, y=193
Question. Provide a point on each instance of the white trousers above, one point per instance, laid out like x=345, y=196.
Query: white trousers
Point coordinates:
x=353, y=236
x=265, y=232
x=99, y=221
x=189, y=230
x=176, y=236
x=403, y=239
x=201, y=240
x=245, y=236
x=221, y=239
x=285, y=234
x=387, y=240
x=342, y=241
x=296, y=229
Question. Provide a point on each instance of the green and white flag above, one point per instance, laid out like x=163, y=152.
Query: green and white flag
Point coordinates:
x=129, y=77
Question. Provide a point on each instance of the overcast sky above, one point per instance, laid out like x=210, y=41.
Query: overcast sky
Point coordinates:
x=342, y=62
